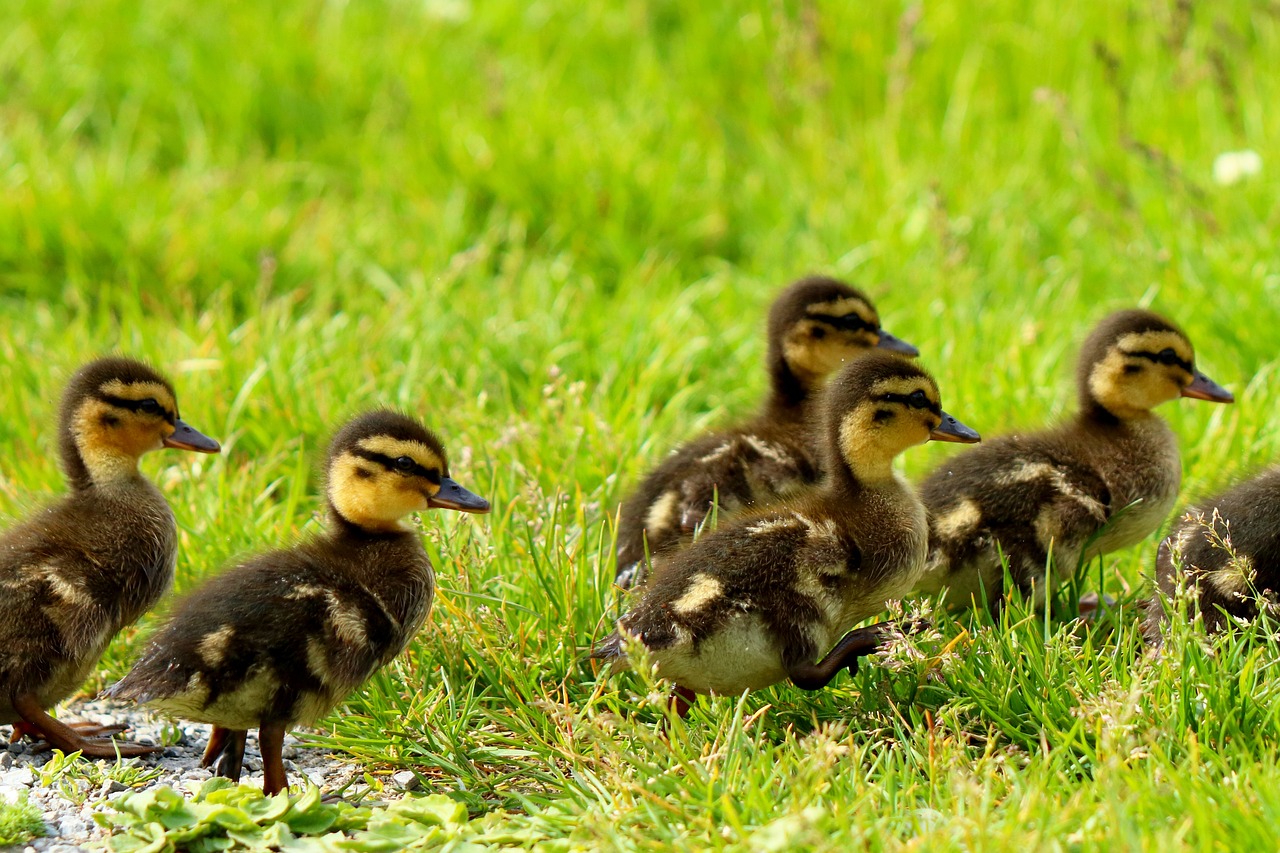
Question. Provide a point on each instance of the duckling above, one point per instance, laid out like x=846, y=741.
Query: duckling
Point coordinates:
x=1228, y=550
x=770, y=594
x=1103, y=480
x=279, y=640
x=76, y=573
x=816, y=324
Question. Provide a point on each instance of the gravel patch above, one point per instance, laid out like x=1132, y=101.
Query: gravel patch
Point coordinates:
x=70, y=824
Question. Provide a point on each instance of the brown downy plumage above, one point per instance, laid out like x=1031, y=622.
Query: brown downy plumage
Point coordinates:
x=77, y=572
x=770, y=595
x=1226, y=552
x=279, y=640
x=1103, y=480
x=815, y=325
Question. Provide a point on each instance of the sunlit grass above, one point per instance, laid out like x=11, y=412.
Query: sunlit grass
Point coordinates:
x=552, y=231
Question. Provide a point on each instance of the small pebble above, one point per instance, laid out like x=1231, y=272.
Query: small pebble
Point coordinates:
x=18, y=776
x=406, y=780
x=72, y=827
x=6, y=760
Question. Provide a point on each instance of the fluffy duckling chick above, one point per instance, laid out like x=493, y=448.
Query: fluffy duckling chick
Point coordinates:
x=815, y=325
x=1227, y=550
x=769, y=595
x=279, y=640
x=1103, y=480
x=77, y=572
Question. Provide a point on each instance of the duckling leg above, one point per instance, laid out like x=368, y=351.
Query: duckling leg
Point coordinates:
x=84, y=728
x=857, y=643
x=23, y=728
x=271, y=744
x=217, y=740
x=682, y=699
x=66, y=738
x=225, y=752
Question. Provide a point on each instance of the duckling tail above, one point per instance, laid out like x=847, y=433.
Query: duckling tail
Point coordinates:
x=611, y=648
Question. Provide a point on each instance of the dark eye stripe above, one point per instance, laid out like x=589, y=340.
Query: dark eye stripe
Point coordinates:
x=849, y=322
x=430, y=474
x=1160, y=359
x=905, y=400
x=135, y=406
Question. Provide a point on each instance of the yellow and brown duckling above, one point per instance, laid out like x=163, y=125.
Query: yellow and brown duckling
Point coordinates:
x=279, y=640
x=1227, y=553
x=815, y=325
x=769, y=595
x=77, y=572
x=1104, y=480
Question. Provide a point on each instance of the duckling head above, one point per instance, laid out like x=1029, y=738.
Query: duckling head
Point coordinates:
x=1134, y=361
x=817, y=324
x=383, y=466
x=114, y=411
x=877, y=407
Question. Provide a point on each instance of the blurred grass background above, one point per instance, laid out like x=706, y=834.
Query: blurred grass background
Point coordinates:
x=553, y=230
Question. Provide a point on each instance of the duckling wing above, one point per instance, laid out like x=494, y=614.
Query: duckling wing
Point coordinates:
x=726, y=471
x=766, y=565
x=1024, y=499
x=742, y=606
x=281, y=637
x=56, y=625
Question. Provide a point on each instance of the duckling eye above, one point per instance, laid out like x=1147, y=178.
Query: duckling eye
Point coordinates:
x=405, y=464
x=918, y=400
x=1168, y=356
x=149, y=405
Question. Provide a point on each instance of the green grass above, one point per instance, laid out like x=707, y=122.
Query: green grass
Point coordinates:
x=552, y=230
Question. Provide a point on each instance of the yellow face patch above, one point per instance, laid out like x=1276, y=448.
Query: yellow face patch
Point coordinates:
x=877, y=430
x=1129, y=382
x=111, y=439
x=368, y=494
x=814, y=350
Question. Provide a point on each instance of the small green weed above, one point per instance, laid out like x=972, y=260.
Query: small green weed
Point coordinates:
x=225, y=816
x=77, y=780
x=19, y=821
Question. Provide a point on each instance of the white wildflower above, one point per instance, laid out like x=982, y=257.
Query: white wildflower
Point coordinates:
x=1231, y=167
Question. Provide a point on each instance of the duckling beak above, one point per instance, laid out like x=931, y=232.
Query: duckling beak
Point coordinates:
x=896, y=344
x=1204, y=388
x=952, y=430
x=453, y=496
x=186, y=438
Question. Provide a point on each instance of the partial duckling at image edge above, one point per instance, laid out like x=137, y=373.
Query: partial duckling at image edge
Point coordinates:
x=773, y=594
x=1226, y=553
x=1104, y=480
x=74, y=574
x=815, y=325
x=279, y=640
